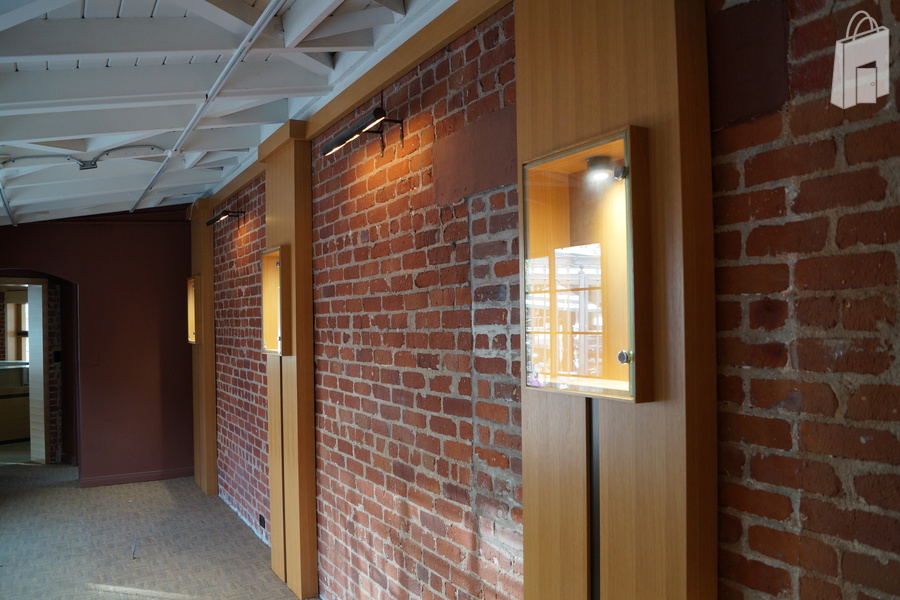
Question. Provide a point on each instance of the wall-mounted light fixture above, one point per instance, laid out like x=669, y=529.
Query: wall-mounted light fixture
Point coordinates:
x=367, y=124
x=601, y=168
x=225, y=214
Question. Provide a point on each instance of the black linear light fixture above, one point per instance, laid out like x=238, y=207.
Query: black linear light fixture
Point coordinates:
x=225, y=214
x=367, y=124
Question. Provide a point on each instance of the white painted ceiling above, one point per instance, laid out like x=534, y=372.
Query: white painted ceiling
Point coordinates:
x=117, y=84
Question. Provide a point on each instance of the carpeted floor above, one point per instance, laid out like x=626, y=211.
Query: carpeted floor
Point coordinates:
x=58, y=541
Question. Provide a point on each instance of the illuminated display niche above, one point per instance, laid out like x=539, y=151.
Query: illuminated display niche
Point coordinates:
x=587, y=303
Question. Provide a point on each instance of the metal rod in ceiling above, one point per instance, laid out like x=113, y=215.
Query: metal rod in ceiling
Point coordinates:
x=217, y=86
x=12, y=218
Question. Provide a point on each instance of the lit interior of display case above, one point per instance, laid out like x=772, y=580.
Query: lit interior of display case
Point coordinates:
x=274, y=286
x=579, y=285
x=192, y=284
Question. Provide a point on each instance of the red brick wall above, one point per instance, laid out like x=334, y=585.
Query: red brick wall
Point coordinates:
x=417, y=349
x=807, y=241
x=241, y=401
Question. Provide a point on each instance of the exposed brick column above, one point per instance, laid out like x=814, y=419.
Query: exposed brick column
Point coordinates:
x=417, y=350
x=808, y=240
x=241, y=393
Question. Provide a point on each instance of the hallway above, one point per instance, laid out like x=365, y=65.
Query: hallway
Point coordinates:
x=58, y=541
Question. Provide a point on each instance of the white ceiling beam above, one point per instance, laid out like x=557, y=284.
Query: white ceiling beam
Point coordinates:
x=320, y=63
x=352, y=21
x=54, y=147
x=344, y=42
x=101, y=186
x=398, y=6
x=303, y=17
x=273, y=112
x=14, y=12
x=52, y=39
x=68, y=172
x=61, y=126
x=23, y=93
x=235, y=16
x=209, y=140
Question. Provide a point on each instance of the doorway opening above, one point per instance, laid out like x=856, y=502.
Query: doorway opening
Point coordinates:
x=38, y=370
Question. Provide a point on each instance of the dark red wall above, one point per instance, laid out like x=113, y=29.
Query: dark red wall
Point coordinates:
x=135, y=416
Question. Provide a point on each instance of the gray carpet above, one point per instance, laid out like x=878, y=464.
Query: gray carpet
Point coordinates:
x=58, y=541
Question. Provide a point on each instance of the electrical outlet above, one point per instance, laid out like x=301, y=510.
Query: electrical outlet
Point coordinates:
x=262, y=521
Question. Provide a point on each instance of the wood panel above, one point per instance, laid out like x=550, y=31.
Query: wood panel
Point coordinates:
x=556, y=479
x=595, y=67
x=203, y=351
x=289, y=224
x=276, y=466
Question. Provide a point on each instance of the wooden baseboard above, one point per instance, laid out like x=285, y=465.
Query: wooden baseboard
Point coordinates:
x=86, y=482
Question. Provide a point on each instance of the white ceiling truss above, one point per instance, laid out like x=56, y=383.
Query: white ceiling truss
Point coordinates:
x=112, y=105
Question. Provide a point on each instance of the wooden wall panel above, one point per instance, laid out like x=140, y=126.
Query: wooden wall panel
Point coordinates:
x=276, y=466
x=561, y=463
x=203, y=351
x=289, y=224
x=594, y=67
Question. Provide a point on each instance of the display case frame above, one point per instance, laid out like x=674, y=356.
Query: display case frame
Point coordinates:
x=276, y=297
x=587, y=303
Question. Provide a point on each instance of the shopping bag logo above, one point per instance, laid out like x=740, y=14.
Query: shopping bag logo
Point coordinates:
x=861, y=63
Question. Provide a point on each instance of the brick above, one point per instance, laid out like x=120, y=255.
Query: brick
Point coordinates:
x=793, y=549
x=768, y=314
x=759, y=502
x=750, y=206
x=877, y=531
x=870, y=228
x=812, y=588
x=820, y=114
x=867, y=314
x=731, y=461
x=818, y=312
x=844, y=189
x=813, y=75
x=808, y=475
x=754, y=574
x=752, y=279
x=850, y=442
x=760, y=431
x=746, y=135
x=730, y=529
x=726, y=178
x=800, y=159
x=800, y=237
x=728, y=316
x=879, y=490
x=733, y=351
x=865, y=355
x=847, y=271
x=793, y=396
x=872, y=573
x=728, y=245
x=730, y=389
x=877, y=143
x=874, y=403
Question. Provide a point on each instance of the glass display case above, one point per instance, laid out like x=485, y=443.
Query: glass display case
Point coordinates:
x=192, y=284
x=580, y=326
x=274, y=288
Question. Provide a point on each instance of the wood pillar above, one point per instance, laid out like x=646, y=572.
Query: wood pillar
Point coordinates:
x=585, y=68
x=292, y=451
x=203, y=352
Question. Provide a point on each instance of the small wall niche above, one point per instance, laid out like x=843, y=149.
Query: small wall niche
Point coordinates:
x=193, y=285
x=275, y=297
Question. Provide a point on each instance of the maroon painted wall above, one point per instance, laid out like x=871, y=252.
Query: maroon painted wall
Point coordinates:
x=135, y=415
